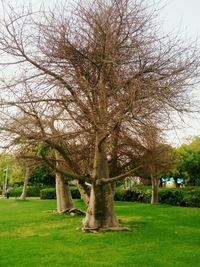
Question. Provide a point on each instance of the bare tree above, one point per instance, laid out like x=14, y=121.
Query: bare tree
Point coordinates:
x=25, y=185
x=156, y=157
x=47, y=128
x=106, y=64
x=35, y=140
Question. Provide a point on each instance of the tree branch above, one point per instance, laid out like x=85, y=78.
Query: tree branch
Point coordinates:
x=116, y=178
x=103, y=138
x=68, y=176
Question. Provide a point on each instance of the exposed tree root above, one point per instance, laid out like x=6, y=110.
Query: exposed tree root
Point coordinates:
x=74, y=211
x=106, y=229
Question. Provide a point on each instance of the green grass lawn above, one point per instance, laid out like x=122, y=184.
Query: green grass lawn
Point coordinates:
x=31, y=235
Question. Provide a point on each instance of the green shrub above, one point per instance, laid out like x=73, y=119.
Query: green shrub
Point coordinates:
x=172, y=197
x=134, y=194
x=147, y=196
x=192, y=198
x=32, y=191
x=75, y=192
x=180, y=197
x=48, y=193
x=16, y=191
x=189, y=197
x=119, y=194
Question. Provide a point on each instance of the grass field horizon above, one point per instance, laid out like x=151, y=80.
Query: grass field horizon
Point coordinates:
x=32, y=235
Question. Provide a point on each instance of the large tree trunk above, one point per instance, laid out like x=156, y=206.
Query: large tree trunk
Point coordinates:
x=84, y=192
x=100, y=213
x=113, y=164
x=63, y=194
x=25, y=186
x=154, y=190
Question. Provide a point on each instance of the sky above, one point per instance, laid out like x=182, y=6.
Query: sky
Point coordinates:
x=183, y=16
x=178, y=16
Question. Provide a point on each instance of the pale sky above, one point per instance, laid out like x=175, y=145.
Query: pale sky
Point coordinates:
x=183, y=16
x=177, y=15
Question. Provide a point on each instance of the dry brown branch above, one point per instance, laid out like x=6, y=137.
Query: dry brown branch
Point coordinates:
x=117, y=178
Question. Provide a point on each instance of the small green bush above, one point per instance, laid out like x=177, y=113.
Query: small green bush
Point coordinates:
x=48, y=193
x=119, y=194
x=16, y=191
x=32, y=191
x=172, y=197
x=75, y=192
x=134, y=194
x=192, y=198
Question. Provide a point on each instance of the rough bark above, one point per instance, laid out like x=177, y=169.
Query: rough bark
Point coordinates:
x=84, y=192
x=63, y=194
x=154, y=191
x=100, y=214
x=25, y=186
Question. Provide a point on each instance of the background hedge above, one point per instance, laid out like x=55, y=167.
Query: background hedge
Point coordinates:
x=185, y=197
x=32, y=191
x=50, y=193
x=139, y=194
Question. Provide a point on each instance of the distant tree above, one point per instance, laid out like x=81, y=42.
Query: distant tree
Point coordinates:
x=157, y=158
x=24, y=153
x=11, y=167
x=43, y=175
x=189, y=161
